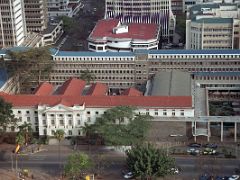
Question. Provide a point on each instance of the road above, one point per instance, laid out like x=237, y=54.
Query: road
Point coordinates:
x=191, y=167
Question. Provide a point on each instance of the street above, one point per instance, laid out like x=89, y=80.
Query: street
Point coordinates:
x=48, y=162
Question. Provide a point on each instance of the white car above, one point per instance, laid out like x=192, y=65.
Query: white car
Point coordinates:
x=233, y=177
x=174, y=170
x=129, y=175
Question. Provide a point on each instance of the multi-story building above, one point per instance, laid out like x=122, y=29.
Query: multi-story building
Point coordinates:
x=111, y=35
x=127, y=69
x=12, y=23
x=143, y=11
x=36, y=15
x=75, y=104
x=213, y=26
x=63, y=7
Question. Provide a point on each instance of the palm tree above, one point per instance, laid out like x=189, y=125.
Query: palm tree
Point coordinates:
x=26, y=130
x=59, y=135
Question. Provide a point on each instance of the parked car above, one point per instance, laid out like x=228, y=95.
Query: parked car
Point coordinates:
x=196, y=145
x=212, y=145
x=175, y=170
x=209, y=151
x=233, y=177
x=128, y=175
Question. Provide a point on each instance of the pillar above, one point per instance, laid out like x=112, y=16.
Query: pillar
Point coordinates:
x=195, y=131
x=221, y=131
x=209, y=133
x=235, y=132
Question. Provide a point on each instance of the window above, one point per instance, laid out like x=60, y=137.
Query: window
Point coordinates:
x=44, y=122
x=61, y=122
x=52, y=115
x=69, y=115
x=28, y=119
x=164, y=112
x=88, y=119
x=60, y=115
x=20, y=118
x=156, y=113
x=78, y=122
x=79, y=132
x=88, y=112
x=45, y=131
x=182, y=113
x=27, y=112
x=19, y=112
x=69, y=122
x=52, y=122
x=43, y=114
x=36, y=119
x=69, y=132
x=78, y=115
x=35, y=112
x=96, y=113
x=173, y=113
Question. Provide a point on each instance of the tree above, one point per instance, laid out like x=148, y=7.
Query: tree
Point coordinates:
x=77, y=165
x=6, y=115
x=120, y=126
x=68, y=23
x=26, y=130
x=59, y=135
x=32, y=65
x=87, y=76
x=148, y=162
x=20, y=140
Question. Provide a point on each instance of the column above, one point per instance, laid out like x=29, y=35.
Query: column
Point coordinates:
x=195, y=131
x=235, y=132
x=209, y=133
x=221, y=131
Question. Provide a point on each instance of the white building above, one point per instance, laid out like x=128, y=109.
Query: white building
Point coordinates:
x=213, y=26
x=111, y=35
x=143, y=11
x=12, y=23
x=75, y=104
x=63, y=7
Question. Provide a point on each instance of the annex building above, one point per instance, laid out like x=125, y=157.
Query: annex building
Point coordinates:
x=112, y=35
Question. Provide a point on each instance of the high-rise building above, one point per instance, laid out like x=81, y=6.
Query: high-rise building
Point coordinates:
x=12, y=23
x=143, y=11
x=36, y=15
x=213, y=26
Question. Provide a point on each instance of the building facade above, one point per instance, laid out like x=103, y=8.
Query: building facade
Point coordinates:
x=12, y=23
x=127, y=69
x=143, y=11
x=213, y=26
x=36, y=15
x=69, y=109
x=111, y=35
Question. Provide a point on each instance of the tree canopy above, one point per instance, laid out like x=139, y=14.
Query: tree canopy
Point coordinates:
x=31, y=65
x=76, y=165
x=120, y=126
x=59, y=134
x=87, y=76
x=147, y=161
x=6, y=115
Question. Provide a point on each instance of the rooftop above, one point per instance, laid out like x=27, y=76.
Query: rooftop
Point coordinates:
x=104, y=28
x=3, y=76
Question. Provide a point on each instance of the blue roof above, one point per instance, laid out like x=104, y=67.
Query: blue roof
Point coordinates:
x=216, y=73
x=3, y=76
x=214, y=20
x=191, y=51
x=90, y=53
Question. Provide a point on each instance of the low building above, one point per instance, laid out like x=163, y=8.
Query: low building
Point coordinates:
x=111, y=35
x=74, y=103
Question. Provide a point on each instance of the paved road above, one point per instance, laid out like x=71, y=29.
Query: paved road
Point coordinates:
x=192, y=167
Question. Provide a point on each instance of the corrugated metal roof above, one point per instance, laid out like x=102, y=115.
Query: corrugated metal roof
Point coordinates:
x=216, y=73
x=91, y=54
x=3, y=76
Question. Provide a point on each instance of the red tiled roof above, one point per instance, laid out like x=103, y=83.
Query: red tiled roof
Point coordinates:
x=72, y=87
x=104, y=28
x=101, y=101
x=44, y=89
x=132, y=92
x=98, y=89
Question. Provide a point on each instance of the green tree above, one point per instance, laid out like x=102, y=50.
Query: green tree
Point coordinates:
x=148, y=162
x=68, y=23
x=87, y=76
x=59, y=135
x=120, y=126
x=77, y=165
x=26, y=130
x=20, y=140
x=32, y=66
x=6, y=115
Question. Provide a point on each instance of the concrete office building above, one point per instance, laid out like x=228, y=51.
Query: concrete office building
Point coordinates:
x=143, y=11
x=12, y=23
x=213, y=26
x=36, y=15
